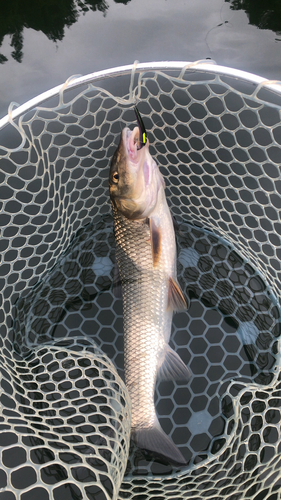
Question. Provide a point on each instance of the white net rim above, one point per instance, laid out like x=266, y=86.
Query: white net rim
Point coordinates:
x=208, y=66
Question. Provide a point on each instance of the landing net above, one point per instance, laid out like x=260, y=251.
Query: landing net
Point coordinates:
x=65, y=411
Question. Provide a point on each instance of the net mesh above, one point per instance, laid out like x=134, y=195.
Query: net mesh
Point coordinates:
x=65, y=412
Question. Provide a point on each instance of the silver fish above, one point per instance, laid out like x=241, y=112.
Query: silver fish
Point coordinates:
x=146, y=259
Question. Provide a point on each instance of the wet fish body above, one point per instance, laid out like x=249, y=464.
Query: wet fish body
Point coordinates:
x=146, y=259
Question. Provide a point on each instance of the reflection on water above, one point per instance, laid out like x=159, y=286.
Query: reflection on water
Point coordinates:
x=52, y=17
x=265, y=14
x=49, y=16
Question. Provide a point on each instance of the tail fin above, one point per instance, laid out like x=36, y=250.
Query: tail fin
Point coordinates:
x=155, y=440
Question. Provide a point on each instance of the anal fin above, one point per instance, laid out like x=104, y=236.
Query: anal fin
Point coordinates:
x=171, y=366
x=176, y=300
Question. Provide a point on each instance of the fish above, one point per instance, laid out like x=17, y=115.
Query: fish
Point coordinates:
x=146, y=268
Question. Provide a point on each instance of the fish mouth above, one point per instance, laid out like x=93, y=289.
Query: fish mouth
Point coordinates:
x=131, y=139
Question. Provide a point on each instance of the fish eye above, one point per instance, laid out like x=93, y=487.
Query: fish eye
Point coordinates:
x=115, y=177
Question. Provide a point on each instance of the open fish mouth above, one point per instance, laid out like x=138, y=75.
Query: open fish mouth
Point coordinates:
x=132, y=140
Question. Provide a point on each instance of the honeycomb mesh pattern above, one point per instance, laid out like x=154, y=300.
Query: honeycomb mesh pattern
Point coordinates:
x=65, y=413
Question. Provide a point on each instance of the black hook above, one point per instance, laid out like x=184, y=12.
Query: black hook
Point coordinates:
x=143, y=136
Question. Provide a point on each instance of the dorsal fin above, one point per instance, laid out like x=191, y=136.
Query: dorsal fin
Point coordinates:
x=176, y=300
x=155, y=236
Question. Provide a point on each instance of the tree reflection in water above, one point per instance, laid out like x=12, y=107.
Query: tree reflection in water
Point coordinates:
x=265, y=14
x=49, y=16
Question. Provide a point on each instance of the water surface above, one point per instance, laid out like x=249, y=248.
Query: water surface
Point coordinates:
x=43, y=44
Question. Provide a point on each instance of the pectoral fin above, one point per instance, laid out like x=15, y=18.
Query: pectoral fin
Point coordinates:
x=176, y=300
x=171, y=366
x=155, y=237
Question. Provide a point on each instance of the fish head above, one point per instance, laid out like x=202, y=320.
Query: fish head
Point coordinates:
x=134, y=178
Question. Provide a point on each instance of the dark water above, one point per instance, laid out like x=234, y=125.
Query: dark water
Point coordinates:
x=228, y=337
x=42, y=44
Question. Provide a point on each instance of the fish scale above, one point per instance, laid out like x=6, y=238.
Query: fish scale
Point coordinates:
x=141, y=287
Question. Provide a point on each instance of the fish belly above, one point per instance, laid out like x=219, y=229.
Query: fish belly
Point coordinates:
x=144, y=320
x=144, y=292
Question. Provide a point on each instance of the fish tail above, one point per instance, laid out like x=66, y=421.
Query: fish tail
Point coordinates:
x=155, y=440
